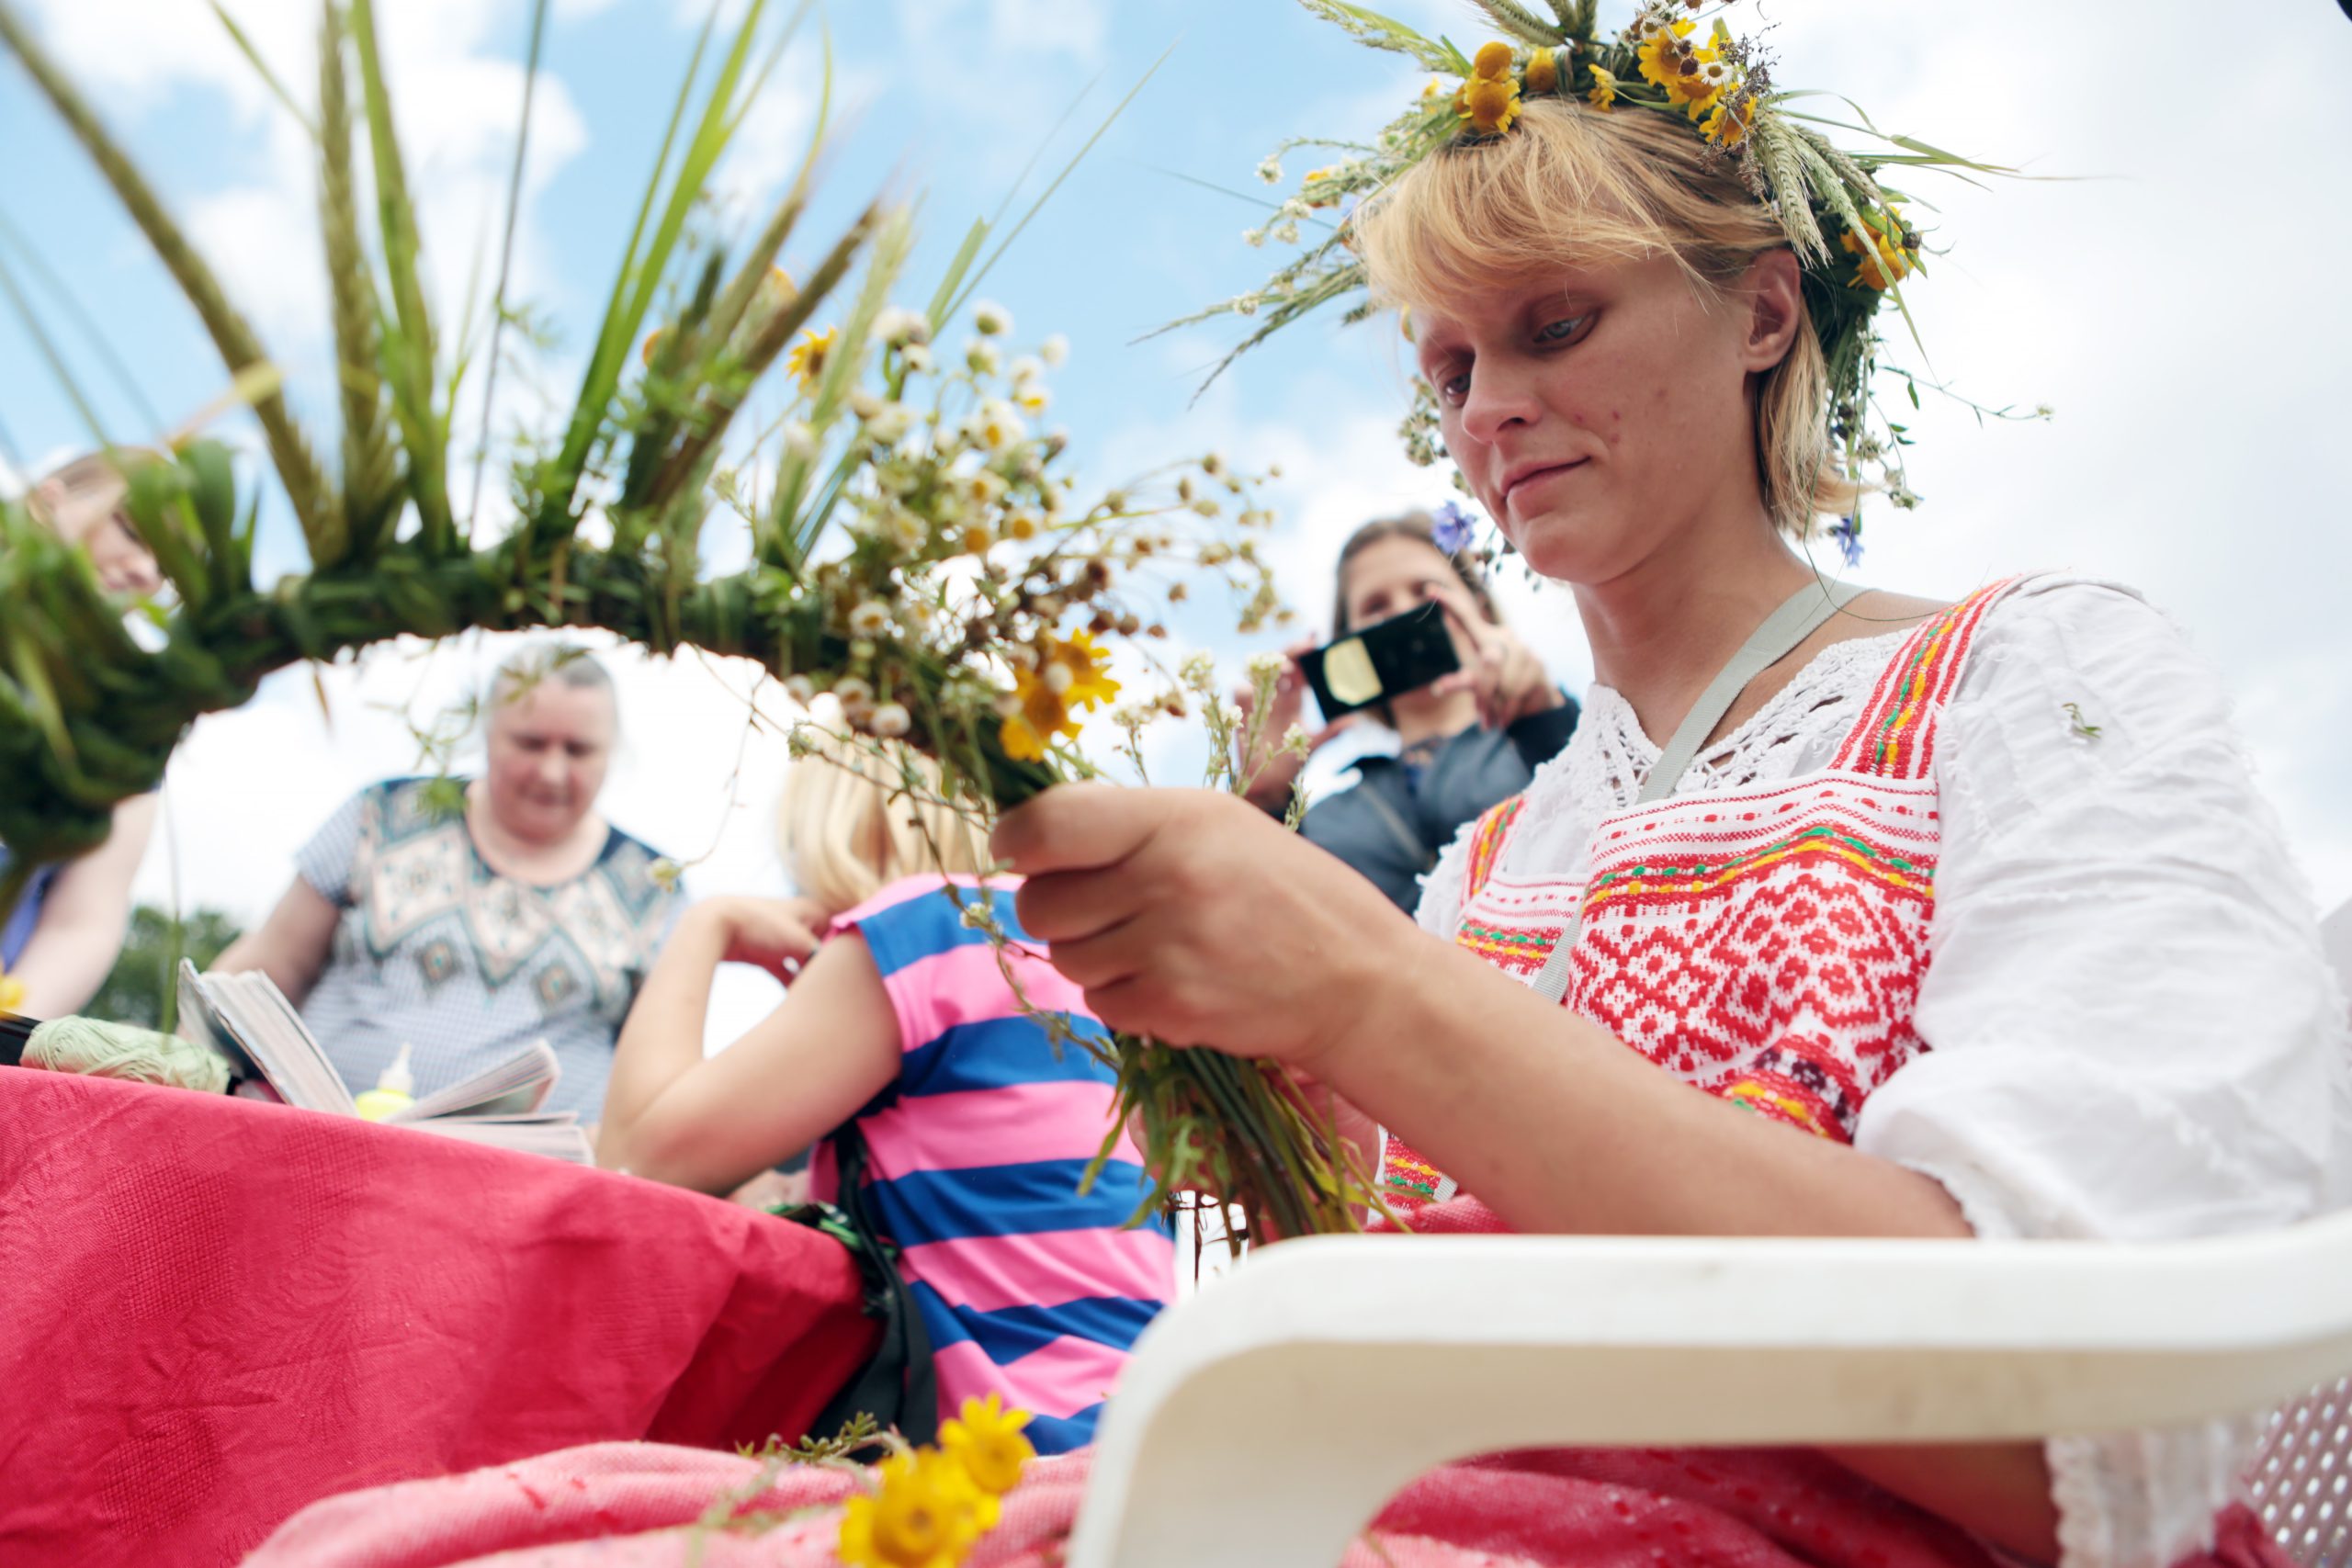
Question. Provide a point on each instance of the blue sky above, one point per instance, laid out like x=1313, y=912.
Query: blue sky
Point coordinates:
x=2157, y=302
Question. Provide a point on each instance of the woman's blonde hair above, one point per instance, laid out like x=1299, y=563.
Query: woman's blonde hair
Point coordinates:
x=848, y=825
x=1572, y=187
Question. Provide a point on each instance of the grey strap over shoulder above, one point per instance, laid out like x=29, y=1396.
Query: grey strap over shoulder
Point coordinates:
x=1797, y=618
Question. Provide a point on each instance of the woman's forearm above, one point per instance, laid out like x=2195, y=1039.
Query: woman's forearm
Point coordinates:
x=660, y=1044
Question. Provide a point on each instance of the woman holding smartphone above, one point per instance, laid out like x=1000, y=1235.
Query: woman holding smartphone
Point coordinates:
x=1465, y=741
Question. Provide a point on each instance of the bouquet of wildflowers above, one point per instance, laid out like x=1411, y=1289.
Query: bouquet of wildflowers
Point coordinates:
x=918, y=548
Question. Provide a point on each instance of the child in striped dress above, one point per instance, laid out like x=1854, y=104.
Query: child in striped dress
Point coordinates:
x=906, y=1024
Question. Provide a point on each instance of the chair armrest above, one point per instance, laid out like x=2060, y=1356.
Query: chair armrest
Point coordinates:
x=1303, y=1391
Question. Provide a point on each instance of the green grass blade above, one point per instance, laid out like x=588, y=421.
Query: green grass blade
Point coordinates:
x=507, y=255
x=83, y=323
x=1048, y=194
x=408, y=347
x=370, y=461
x=974, y=238
x=261, y=67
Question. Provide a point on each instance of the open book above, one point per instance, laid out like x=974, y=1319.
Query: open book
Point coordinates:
x=248, y=1020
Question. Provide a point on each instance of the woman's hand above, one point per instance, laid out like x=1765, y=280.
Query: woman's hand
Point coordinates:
x=1510, y=682
x=775, y=934
x=1188, y=915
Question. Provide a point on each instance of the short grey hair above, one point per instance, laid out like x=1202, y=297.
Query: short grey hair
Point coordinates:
x=566, y=664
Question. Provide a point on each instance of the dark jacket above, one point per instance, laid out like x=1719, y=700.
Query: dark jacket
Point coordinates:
x=1391, y=824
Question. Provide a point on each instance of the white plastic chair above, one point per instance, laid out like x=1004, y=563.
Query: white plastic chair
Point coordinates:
x=1266, y=1420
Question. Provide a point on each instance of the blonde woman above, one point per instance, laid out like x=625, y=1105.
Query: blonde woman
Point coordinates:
x=903, y=1043
x=1840, y=915
x=68, y=928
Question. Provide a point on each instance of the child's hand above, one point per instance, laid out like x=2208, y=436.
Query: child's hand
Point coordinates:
x=775, y=934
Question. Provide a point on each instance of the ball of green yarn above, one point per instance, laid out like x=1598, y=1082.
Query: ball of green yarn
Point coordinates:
x=98, y=1049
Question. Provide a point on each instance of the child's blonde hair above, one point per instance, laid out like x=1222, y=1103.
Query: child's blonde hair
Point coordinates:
x=1572, y=187
x=848, y=826
x=76, y=497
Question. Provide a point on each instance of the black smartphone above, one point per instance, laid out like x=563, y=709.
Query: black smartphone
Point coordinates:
x=1402, y=653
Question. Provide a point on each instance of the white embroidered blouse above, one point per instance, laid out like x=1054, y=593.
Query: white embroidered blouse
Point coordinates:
x=2131, y=1031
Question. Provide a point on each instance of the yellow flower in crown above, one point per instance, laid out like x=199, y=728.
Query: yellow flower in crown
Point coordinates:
x=806, y=358
x=986, y=1440
x=925, y=1513
x=1678, y=67
x=1490, y=99
x=1728, y=126
x=1885, y=263
x=12, y=992
x=1089, y=679
x=1329, y=195
x=1543, y=72
x=1604, y=88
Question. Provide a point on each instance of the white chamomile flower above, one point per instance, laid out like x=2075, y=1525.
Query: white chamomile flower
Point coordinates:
x=1054, y=349
x=1028, y=367
x=891, y=423
x=917, y=358
x=799, y=439
x=990, y=319
x=891, y=720
x=864, y=404
x=997, y=424
x=800, y=689
x=1265, y=666
x=983, y=358
x=1270, y=171
x=1031, y=397
x=871, y=618
x=897, y=326
x=854, y=691
x=908, y=532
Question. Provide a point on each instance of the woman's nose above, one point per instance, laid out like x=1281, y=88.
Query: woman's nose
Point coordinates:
x=1499, y=398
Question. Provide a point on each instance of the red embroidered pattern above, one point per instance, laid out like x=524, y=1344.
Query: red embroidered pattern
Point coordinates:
x=1765, y=944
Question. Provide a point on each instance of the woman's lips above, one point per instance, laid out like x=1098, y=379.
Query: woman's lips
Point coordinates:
x=1539, y=476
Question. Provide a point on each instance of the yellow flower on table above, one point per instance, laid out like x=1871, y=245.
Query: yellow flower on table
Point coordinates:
x=806, y=358
x=926, y=1513
x=1604, y=88
x=988, y=1442
x=12, y=992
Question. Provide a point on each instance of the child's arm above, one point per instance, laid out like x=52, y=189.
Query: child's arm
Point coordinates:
x=711, y=1125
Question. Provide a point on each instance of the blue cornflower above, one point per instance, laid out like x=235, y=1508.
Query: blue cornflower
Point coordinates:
x=1454, y=530
x=1847, y=532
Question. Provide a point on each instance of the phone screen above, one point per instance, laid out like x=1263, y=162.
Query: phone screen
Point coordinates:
x=1402, y=653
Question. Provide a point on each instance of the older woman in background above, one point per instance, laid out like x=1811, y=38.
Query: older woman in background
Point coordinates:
x=67, y=930
x=468, y=922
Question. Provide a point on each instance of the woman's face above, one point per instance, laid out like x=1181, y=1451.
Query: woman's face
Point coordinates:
x=1598, y=412
x=97, y=521
x=548, y=749
x=1392, y=575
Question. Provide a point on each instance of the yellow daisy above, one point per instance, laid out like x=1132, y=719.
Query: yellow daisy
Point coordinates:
x=1883, y=264
x=1088, y=667
x=986, y=1440
x=921, y=1515
x=805, y=358
x=1543, y=72
x=1604, y=88
x=1490, y=107
x=1661, y=53
x=12, y=992
x=1728, y=126
x=1042, y=716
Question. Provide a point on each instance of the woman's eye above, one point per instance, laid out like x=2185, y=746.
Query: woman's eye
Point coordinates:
x=1563, y=330
x=1455, y=389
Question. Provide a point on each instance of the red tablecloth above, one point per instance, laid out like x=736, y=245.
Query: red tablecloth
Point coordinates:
x=213, y=1311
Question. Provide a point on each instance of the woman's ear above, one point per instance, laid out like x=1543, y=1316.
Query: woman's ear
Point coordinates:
x=1773, y=291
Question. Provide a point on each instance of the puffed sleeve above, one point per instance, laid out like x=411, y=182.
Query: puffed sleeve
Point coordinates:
x=325, y=861
x=2131, y=1030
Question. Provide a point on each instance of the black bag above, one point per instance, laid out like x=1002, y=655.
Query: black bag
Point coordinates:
x=898, y=1386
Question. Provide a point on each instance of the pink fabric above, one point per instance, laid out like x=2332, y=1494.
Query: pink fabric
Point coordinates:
x=640, y=1505
x=1060, y=1377
x=995, y=1126
x=1046, y=1269
x=964, y=984
x=218, y=1311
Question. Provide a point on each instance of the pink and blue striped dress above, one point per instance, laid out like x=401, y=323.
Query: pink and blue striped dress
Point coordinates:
x=973, y=1162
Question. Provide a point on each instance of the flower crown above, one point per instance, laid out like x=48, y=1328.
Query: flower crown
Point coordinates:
x=1852, y=239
